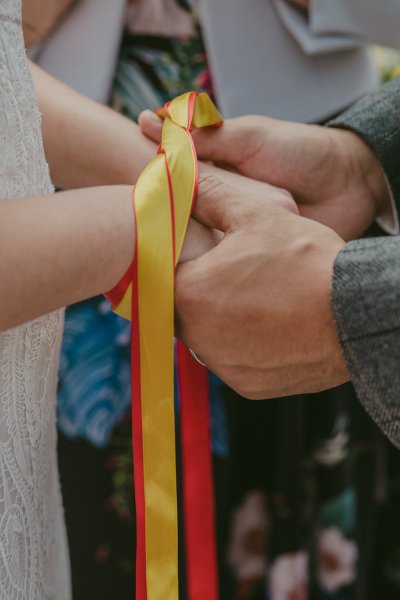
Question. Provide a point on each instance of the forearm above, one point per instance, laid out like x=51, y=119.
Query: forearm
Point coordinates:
x=63, y=248
x=67, y=247
x=87, y=144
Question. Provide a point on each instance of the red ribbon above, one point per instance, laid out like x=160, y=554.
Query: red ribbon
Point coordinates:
x=201, y=555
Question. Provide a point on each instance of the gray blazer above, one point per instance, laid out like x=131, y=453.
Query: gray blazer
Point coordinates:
x=366, y=283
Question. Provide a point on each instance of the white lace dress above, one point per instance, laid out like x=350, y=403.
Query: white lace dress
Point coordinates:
x=33, y=550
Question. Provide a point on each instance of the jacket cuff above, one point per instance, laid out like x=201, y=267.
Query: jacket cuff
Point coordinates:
x=389, y=221
x=376, y=119
x=365, y=299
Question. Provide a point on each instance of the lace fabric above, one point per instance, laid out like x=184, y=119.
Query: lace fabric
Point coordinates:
x=33, y=550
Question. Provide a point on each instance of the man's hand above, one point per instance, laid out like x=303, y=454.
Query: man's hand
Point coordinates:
x=257, y=308
x=332, y=174
x=200, y=239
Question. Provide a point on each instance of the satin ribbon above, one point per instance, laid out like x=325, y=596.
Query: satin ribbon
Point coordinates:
x=163, y=202
x=198, y=491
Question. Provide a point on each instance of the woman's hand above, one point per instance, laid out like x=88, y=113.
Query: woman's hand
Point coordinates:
x=199, y=240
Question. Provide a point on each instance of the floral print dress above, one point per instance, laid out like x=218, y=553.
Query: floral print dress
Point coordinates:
x=295, y=479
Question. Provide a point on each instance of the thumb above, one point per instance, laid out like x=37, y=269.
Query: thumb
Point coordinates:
x=218, y=205
x=226, y=144
x=151, y=125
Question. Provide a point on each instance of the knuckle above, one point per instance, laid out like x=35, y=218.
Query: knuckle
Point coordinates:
x=286, y=194
x=257, y=210
x=290, y=204
x=287, y=201
x=254, y=124
x=209, y=185
x=252, y=121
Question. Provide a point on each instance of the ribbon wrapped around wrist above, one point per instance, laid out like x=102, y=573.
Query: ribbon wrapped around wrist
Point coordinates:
x=163, y=202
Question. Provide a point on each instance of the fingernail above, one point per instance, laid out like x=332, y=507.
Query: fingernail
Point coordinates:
x=151, y=116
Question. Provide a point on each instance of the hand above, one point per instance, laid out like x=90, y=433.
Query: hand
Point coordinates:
x=256, y=309
x=199, y=240
x=151, y=126
x=331, y=173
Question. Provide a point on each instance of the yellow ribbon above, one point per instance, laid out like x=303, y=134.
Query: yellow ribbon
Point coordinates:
x=164, y=197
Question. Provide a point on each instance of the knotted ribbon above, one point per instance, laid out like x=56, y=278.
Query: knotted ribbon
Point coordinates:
x=164, y=198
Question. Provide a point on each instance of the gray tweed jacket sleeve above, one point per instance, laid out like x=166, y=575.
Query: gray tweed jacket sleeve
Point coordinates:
x=366, y=282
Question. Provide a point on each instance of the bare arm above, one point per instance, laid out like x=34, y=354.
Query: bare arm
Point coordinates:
x=59, y=249
x=62, y=248
x=87, y=144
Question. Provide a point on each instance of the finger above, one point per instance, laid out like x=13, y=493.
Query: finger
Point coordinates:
x=199, y=240
x=220, y=144
x=252, y=187
x=224, y=144
x=151, y=125
x=218, y=205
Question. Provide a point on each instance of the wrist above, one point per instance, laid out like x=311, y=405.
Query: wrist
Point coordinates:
x=366, y=172
x=336, y=360
x=320, y=316
x=376, y=182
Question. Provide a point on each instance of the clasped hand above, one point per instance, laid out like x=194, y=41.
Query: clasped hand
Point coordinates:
x=256, y=308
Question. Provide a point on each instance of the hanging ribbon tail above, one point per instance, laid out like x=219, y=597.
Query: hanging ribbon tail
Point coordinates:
x=163, y=202
x=198, y=487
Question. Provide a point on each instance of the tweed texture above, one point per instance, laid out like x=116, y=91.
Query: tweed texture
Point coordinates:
x=376, y=118
x=366, y=281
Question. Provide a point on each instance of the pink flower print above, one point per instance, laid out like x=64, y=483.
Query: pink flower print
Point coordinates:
x=247, y=550
x=337, y=557
x=288, y=577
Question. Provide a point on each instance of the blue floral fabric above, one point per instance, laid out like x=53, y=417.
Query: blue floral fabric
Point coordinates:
x=94, y=389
